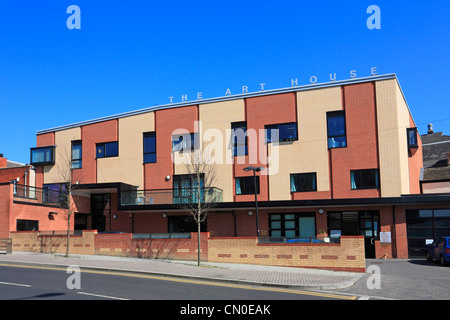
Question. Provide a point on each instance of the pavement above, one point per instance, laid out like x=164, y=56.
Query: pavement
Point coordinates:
x=300, y=278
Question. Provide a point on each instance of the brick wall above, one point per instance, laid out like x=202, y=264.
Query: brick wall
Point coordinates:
x=347, y=256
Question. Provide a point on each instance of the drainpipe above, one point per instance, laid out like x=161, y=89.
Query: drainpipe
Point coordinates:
x=234, y=219
x=394, y=234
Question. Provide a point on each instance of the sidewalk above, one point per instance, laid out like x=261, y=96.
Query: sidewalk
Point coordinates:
x=235, y=273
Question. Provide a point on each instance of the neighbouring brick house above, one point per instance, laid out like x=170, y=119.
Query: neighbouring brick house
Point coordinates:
x=340, y=159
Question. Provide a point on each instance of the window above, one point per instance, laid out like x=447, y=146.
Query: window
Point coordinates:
x=246, y=185
x=185, y=189
x=412, y=138
x=281, y=132
x=185, y=142
x=76, y=155
x=150, y=147
x=106, y=150
x=303, y=182
x=365, y=179
x=239, y=138
x=27, y=225
x=43, y=156
x=292, y=225
x=55, y=193
x=336, y=130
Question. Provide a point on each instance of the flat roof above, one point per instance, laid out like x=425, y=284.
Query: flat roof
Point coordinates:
x=227, y=98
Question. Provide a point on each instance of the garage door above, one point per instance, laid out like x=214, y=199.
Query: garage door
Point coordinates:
x=424, y=226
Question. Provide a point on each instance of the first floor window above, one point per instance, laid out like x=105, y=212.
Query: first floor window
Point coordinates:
x=303, y=182
x=185, y=142
x=150, y=147
x=27, y=225
x=281, y=132
x=108, y=149
x=337, y=136
x=43, y=156
x=76, y=155
x=365, y=179
x=246, y=185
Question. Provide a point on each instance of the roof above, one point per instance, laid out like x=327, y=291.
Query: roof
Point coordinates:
x=227, y=98
x=435, y=147
x=436, y=174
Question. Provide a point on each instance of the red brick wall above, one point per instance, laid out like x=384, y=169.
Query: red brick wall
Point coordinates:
x=166, y=122
x=5, y=201
x=362, y=142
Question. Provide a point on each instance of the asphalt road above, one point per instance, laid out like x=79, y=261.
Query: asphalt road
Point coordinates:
x=39, y=283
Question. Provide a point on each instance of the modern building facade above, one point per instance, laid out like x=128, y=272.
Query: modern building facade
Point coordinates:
x=340, y=158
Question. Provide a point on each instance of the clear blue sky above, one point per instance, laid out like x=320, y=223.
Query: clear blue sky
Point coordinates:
x=134, y=54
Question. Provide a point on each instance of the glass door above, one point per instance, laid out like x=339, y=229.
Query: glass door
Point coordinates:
x=369, y=228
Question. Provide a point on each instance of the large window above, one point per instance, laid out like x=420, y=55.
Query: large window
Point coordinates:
x=337, y=137
x=185, y=189
x=246, y=185
x=239, y=138
x=43, y=156
x=303, y=182
x=292, y=225
x=76, y=155
x=150, y=147
x=27, y=225
x=281, y=132
x=185, y=142
x=55, y=193
x=365, y=179
x=107, y=150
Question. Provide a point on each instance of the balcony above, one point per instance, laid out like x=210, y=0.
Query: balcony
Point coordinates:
x=39, y=196
x=170, y=196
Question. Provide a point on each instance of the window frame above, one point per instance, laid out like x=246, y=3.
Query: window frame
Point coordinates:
x=336, y=114
x=50, y=161
x=285, y=217
x=352, y=177
x=277, y=126
x=194, y=142
x=149, y=135
x=238, y=147
x=295, y=177
x=243, y=187
x=104, y=145
x=408, y=131
x=80, y=159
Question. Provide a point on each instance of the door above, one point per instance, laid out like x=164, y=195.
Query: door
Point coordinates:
x=101, y=212
x=368, y=227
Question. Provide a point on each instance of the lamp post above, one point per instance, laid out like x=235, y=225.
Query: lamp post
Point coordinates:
x=255, y=169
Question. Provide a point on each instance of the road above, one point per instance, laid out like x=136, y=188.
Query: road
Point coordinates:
x=42, y=283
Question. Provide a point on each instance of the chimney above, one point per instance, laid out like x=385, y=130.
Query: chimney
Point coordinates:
x=3, y=161
x=430, y=129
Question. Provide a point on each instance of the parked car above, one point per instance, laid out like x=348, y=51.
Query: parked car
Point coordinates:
x=439, y=250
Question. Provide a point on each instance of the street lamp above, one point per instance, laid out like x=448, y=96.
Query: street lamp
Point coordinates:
x=255, y=169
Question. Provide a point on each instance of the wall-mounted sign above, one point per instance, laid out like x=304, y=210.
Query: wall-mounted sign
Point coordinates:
x=385, y=237
x=294, y=83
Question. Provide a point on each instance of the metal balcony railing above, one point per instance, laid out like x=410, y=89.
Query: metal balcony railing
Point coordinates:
x=171, y=196
x=39, y=196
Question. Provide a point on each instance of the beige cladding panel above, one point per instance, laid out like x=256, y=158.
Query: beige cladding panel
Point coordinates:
x=59, y=172
x=310, y=152
x=128, y=166
x=215, y=123
x=392, y=119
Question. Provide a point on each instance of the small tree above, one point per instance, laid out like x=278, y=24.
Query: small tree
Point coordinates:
x=203, y=195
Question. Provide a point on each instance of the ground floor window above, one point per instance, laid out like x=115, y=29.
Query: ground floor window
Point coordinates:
x=183, y=224
x=292, y=225
x=27, y=225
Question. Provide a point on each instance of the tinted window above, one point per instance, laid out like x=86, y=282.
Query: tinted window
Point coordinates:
x=365, y=179
x=336, y=130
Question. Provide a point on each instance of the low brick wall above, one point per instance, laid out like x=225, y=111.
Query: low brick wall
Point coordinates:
x=349, y=255
x=176, y=249
x=33, y=242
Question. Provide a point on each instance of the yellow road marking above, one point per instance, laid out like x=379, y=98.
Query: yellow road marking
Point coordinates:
x=209, y=283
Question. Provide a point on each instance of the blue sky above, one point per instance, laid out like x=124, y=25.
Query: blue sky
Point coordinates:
x=133, y=54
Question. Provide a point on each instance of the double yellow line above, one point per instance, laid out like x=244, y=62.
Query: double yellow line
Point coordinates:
x=208, y=283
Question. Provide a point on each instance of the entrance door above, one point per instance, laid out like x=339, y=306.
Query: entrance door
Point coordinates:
x=365, y=223
x=101, y=211
x=368, y=227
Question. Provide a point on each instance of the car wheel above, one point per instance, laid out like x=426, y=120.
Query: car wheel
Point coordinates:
x=428, y=256
x=443, y=263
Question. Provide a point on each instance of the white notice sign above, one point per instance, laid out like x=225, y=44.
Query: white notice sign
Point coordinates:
x=385, y=237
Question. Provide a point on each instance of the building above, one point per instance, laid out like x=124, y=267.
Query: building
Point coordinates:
x=436, y=162
x=339, y=158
